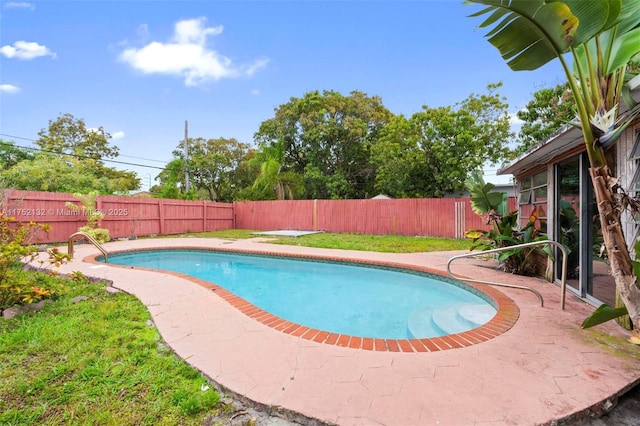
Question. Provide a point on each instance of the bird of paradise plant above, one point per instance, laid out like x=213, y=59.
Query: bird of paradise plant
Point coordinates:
x=603, y=39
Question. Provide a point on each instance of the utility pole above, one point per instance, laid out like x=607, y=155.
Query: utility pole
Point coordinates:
x=186, y=155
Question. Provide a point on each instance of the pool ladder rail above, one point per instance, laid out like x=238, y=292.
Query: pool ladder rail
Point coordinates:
x=563, y=284
x=90, y=239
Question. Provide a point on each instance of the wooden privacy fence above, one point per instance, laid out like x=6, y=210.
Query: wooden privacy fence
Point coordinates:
x=124, y=217
x=434, y=217
x=133, y=216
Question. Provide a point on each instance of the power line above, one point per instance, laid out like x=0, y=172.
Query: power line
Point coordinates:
x=82, y=157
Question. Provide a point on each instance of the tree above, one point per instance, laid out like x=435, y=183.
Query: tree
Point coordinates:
x=326, y=139
x=68, y=143
x=172, y=180
x=272, y=183
x=69, y=135
x=549, y=110
x=432, y=153
x=602, y=37
x=54, y=173
x=213, y=166
x=10, y=155
x=399, y=159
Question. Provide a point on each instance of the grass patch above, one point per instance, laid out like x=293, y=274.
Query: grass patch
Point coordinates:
x=99, y=361
x=379, y=243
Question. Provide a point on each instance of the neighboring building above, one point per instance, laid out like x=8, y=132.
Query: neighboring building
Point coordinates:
x=553, y=181
x=142, y=194
x=508, y=188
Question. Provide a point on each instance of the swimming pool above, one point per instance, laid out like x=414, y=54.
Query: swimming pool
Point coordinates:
x=341, y=298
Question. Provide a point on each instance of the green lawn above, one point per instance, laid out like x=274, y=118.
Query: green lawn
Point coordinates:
x=379, y=243
x=98, y=361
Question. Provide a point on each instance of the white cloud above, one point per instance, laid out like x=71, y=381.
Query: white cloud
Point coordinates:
x=255, y=92
x=256, y=66
x=19, y=5
x=26, y=50
x=9, y=88
x=187, y=55
x=100, y=131
x=192, y=31
x=514, y=120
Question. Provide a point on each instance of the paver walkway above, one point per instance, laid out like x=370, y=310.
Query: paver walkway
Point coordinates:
x=543, y=370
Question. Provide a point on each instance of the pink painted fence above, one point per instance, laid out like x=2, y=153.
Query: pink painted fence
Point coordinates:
x=133, y=216
x=435, y=217
x=124, y=216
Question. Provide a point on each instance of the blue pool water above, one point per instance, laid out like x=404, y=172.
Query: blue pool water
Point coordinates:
x=336, y=297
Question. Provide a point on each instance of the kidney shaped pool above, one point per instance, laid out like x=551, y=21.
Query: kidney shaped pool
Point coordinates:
x=340, y=298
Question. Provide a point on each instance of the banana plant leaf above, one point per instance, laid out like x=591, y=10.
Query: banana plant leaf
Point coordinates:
x=530, y=33
x=603, y=314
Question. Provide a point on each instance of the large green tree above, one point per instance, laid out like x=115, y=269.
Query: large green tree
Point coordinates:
x=213, y=165
x=545, y=114
x=602, y=37
x=326, y=139
x=433, y=152
x=70, y=135
x=84, y=149
x=55, y=173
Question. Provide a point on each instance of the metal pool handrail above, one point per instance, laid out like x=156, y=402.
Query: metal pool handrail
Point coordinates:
x=563, y=284
x=91, y=240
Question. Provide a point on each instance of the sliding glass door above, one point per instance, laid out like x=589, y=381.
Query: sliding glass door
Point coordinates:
x=577, y=226
x=568, y=219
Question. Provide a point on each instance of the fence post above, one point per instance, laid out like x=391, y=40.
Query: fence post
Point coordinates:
x=315, y=215
x=161, y=215
x=204, y=216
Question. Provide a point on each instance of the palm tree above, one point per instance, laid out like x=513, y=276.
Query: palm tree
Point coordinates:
x=272, y=181
x=602, y=37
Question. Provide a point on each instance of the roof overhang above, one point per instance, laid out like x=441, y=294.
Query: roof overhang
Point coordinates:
x=566, y=139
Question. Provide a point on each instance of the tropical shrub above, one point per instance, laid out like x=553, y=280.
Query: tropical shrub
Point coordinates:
x=505, y=232
x=88, y=208
x=29, y=287
x=16, y=242
x=17, y=246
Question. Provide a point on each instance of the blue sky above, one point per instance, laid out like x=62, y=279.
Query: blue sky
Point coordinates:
x=141, y=68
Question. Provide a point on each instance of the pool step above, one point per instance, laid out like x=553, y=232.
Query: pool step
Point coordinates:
x=448, y=320
x=458, y=318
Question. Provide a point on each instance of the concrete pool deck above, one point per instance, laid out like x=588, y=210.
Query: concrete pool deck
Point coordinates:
x=543, y=370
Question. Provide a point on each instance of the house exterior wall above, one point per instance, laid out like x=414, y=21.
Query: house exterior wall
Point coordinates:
x=626, y=170
x=592, y=282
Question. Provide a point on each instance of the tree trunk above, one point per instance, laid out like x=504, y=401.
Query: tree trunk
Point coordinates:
x=610, y=211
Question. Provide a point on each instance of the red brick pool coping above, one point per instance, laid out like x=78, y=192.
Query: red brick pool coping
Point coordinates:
x=506, y=316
